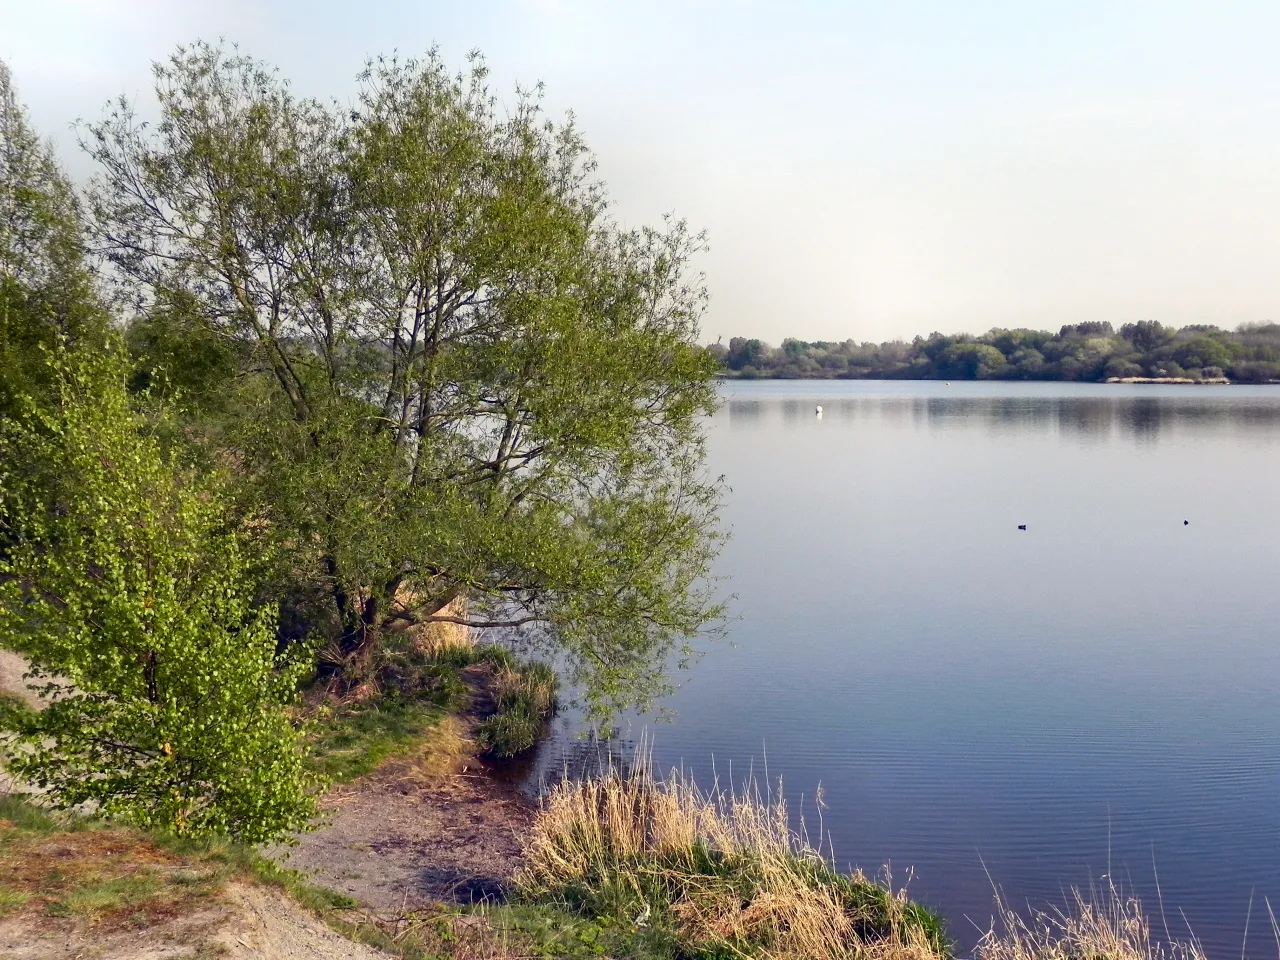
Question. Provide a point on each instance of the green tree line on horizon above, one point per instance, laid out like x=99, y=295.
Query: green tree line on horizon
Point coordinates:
x=1092, y=351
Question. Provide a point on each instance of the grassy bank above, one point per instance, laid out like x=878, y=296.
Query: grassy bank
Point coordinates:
x=620, y=866
x=414, y=703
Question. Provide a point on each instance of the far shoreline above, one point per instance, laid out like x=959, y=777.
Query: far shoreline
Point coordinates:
x=1176, y=381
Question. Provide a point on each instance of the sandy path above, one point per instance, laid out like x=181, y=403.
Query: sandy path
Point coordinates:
x=393, y=840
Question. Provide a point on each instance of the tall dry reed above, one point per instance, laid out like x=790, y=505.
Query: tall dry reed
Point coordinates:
x=1102, y=923
x=724, y=872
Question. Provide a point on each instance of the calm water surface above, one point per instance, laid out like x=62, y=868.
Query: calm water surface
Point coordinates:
x=1100, y=689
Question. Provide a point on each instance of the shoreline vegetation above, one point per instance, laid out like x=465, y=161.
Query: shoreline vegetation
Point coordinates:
x=1089, y=352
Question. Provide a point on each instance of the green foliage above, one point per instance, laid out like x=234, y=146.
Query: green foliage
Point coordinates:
x=971, y=361
x=456, y=377
x=1088, y=351
x=127, y=590
x=1203, y=352
x=45, y=290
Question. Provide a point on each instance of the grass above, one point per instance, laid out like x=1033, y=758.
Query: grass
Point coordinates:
x=407, y=712
x=412, y=716
x=711, y=875
x=97, y=896
x=66, y=865
x=351, y=741
x=12, y=899
x=493, y=932
x=19, y=813
x=526, y=698
x=1102, y=923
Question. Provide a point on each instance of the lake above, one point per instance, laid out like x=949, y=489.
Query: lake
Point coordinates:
x=1094, y=695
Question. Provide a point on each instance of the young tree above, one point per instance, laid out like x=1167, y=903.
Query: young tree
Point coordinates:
x=453, y=374
x=127, y=592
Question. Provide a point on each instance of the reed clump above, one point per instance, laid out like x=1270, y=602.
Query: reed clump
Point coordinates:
x=718, y=874
x=1102, y=923
x=525, y=695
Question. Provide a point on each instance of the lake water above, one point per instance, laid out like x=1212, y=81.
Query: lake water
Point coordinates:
x=1096, y=694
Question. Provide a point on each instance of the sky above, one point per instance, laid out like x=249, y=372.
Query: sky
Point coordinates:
x=864, y=170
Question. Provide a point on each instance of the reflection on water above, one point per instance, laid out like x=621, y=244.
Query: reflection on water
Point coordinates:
x=1083, y=418
x=1083, y=697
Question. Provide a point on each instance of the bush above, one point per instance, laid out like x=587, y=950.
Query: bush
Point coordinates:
x=1255, y=371
x=129, y=592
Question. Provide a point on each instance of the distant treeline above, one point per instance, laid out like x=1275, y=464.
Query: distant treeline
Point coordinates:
x=1090, y=351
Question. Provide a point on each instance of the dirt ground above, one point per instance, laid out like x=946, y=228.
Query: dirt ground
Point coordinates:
x=393, y=841
x=246, y=923
x=12, y=667
x=402, y=838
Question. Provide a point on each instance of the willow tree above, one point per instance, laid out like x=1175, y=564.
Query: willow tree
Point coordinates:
x=440, y=366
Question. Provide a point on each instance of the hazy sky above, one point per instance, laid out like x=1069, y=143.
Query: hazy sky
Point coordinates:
x=865, y=170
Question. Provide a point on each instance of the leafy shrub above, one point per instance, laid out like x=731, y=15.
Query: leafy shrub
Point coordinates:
x=127, y=589
x=1255, y=371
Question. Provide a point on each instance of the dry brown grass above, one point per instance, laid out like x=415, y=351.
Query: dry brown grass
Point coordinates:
x=446, y=752
x=1102, y=924
x=439, y=640
x=723, y=871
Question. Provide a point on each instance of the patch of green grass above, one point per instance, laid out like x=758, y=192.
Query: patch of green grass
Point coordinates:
x=457, y=656
x=513, y=730
x=356, y=740
x=315, y=898
x=499, y=932
x=498, y=657
x=11, y=899
x=27, y=816
x=113, y=894
x=556, y=932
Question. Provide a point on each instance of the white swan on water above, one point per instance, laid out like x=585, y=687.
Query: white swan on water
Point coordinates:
x=818, y=410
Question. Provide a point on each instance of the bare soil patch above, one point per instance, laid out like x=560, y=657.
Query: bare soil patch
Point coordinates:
x=245, y=922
